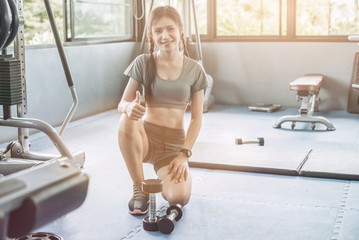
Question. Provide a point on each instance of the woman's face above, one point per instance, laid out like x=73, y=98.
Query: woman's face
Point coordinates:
x=166, y=34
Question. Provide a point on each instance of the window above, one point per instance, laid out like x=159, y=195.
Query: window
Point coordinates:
x=329, y=17
x=277, y=20
x=156, y=3
x=178, y=4
x=37, y=28
x=85, y=20
x=201, y=16
x=249, y=17
x=290, y=20
x=98, y=19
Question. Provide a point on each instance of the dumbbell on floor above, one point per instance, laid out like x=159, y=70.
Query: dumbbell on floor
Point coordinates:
x=260, y=141
x=167, y=223
x=151, y=186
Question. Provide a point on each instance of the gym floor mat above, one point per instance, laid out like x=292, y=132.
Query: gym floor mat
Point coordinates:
x=224, y=204
x=247, y=158
x=332, y=164
x=289, y=148
x=324, y=163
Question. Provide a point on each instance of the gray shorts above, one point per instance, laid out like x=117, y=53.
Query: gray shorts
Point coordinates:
x=164, y=144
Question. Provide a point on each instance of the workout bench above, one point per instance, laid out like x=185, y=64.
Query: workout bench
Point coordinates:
x=307, y=88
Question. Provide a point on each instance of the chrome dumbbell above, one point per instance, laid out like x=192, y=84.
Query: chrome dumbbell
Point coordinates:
x=151, y=186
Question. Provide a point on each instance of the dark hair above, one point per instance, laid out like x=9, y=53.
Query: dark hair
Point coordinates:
x=155, y=15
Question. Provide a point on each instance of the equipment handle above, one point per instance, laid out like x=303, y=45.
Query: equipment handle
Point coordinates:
x=14, y=23
x=5, y=23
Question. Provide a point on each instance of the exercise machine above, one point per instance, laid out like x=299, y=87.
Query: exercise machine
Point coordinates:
x=35, y=188
x=208, y=97
x=307, y=88
x=353, y=99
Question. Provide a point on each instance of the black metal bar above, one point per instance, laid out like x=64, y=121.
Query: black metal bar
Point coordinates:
x=5, y=22
x=7, y=111
x=58, y=43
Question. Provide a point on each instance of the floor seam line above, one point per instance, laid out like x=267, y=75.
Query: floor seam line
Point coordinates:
x=341, y=211
x=138, y=228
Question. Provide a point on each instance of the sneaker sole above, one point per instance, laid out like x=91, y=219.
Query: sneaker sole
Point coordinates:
x=138, y=212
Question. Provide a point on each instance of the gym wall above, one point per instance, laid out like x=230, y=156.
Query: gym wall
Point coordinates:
x=245, y=73
x=97, y=71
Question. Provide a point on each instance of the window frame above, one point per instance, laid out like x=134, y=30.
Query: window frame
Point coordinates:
x=68, y=16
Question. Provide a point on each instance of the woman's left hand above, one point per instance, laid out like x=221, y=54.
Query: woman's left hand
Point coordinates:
x=178, y=169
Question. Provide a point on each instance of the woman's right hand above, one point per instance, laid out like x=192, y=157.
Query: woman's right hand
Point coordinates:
x=135, y=110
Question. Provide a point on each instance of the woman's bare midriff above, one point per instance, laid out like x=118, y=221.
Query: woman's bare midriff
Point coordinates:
x=165, y=117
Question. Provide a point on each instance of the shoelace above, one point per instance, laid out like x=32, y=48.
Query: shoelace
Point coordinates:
x=138, y=193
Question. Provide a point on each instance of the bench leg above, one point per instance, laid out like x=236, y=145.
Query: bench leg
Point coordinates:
x=304, y=106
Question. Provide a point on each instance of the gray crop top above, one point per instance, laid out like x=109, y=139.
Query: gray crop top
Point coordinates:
x=171, y=93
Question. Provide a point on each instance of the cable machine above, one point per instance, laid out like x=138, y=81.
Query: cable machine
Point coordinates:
x=28, y=193
x=208, y=98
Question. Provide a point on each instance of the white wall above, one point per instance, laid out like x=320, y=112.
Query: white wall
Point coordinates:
x=250, y=72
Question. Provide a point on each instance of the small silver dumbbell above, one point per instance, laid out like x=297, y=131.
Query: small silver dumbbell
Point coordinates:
x=260, y=141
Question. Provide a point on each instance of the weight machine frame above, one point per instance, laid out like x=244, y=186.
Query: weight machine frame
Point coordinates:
x=34, y=182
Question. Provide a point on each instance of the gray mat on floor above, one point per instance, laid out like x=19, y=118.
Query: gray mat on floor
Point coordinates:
x=332, y=164
x=248, y=158
x=226, y=205
x=275, y=160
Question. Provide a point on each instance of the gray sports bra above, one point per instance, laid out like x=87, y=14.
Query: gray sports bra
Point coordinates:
x=171, y=93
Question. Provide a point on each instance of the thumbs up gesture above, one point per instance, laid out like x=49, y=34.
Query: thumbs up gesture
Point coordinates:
x=135, y=110
x=138, y=97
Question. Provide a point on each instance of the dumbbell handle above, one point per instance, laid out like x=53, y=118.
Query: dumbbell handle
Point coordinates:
x=152, y=208
x=246, y=142
x=240, y=141
x=260, y=141
x=173, y=214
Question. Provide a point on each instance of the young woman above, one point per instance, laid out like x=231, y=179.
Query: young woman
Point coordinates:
x=154, y=133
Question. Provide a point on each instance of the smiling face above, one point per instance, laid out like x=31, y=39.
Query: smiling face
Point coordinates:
x=165, y=29
x=166, y=34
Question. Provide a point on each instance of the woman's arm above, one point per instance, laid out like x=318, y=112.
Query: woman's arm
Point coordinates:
x=130, y=103
x=179, y=168
x=196, y=119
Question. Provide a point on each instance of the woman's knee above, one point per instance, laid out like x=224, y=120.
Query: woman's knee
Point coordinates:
x=177, y=192
x=177, y=199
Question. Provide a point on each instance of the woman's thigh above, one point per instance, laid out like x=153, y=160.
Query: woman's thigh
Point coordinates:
x=145, y=141
x=133, y=132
